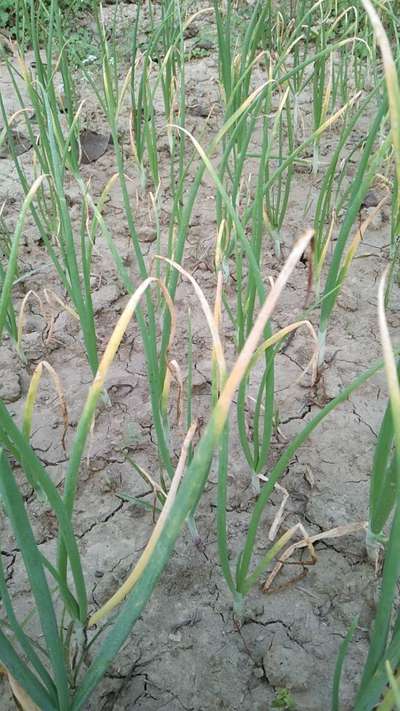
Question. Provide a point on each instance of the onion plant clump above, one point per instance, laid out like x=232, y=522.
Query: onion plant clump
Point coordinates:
x=279, y=150
x=311, y=43
x=378, y=676
x=252, y=160
x=47, y=678
x=378, y=687
x=55, y=677
x=57, y=157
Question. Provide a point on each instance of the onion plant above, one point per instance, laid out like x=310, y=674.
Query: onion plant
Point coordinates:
x=8, y=275
x=268, y=199
x=384, y=646
x=244, y=577
x=366, y=171
x=55, y=153
x=277, y=196
x=329, y=199
x=393, y=91
x=54, y=677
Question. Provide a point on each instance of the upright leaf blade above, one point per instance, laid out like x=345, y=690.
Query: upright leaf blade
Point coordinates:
x=25, y=540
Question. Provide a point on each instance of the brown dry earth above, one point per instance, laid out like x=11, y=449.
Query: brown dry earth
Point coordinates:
x=186, y=651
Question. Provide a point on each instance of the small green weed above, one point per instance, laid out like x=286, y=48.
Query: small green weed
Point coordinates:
x=284, y=700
